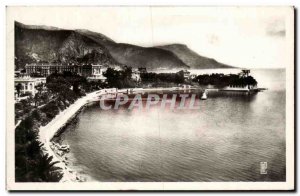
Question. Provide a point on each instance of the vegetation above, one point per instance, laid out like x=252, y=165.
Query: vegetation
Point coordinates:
x=31, y=164
x=163, y=77
x=123, y=78
x=91, y=86
x=18, y=88
x=222, y=80
x=119, y=79
x=61, y=83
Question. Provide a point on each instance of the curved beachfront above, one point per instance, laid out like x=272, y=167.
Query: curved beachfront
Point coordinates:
x=47, y=132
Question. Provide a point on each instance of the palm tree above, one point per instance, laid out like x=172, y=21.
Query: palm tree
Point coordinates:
x=46, y=171
x=33, y=149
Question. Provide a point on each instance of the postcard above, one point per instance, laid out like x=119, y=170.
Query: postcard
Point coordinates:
x=150, y=98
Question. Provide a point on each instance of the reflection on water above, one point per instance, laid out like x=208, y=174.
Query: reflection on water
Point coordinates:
x=225, y=140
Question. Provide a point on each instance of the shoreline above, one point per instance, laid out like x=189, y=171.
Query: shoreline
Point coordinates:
x=57, y=125
x=46, y=133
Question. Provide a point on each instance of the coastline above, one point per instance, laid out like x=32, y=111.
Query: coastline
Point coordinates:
x=46, y=133
x=55, y=126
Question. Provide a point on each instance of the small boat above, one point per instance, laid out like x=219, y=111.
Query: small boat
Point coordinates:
x=65, y=148
x=204, y=95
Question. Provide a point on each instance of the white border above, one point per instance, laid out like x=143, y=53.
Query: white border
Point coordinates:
x=11, y=185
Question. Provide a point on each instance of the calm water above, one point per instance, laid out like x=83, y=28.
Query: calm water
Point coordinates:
x=225, y=140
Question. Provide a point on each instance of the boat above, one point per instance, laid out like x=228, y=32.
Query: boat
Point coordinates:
x=65, y=148
x=204, y=96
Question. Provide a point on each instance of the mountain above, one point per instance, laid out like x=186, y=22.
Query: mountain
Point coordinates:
x=50, y=44
x=47, y=44
x=150, y=57
x=192, y=59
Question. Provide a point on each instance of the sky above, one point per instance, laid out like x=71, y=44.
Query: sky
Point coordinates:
x=253, y=37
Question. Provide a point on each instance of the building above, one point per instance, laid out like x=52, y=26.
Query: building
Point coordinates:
x=27, y=85
x=186, y=74
x=136, y=76
x=193, y=76
x=44, y=70
x=97, y=73
x=244, y=73
x=20, y=73
x=17, y=74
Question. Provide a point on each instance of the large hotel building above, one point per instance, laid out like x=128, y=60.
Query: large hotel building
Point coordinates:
x=44, y=70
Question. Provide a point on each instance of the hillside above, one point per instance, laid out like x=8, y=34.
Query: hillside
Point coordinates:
x=50, y=44
x=192, y=59
x=152, y=58
x=38, y=44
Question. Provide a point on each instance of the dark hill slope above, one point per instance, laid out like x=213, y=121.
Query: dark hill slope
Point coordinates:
x=192, y=59
x=49, y=44
x=52, y=45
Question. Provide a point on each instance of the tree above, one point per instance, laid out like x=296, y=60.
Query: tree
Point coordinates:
x=46, y=171
x=222, y=80
x=119, y=79
x=61, y=82
x=176, y=78
x=39, y=88
x=112, y=77
x=31, y=164
x=18, y=88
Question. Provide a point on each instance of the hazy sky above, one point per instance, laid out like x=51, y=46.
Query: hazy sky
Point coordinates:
x=245, y=37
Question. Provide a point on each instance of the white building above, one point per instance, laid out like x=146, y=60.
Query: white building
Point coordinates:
x=136, y=76
x=28, y=84
x=186, y=74
x=193, y=76
x=97, y=73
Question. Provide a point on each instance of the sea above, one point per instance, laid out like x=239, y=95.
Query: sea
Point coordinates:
x=227, y=139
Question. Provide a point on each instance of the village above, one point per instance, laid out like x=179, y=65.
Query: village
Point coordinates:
x=27, y=80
